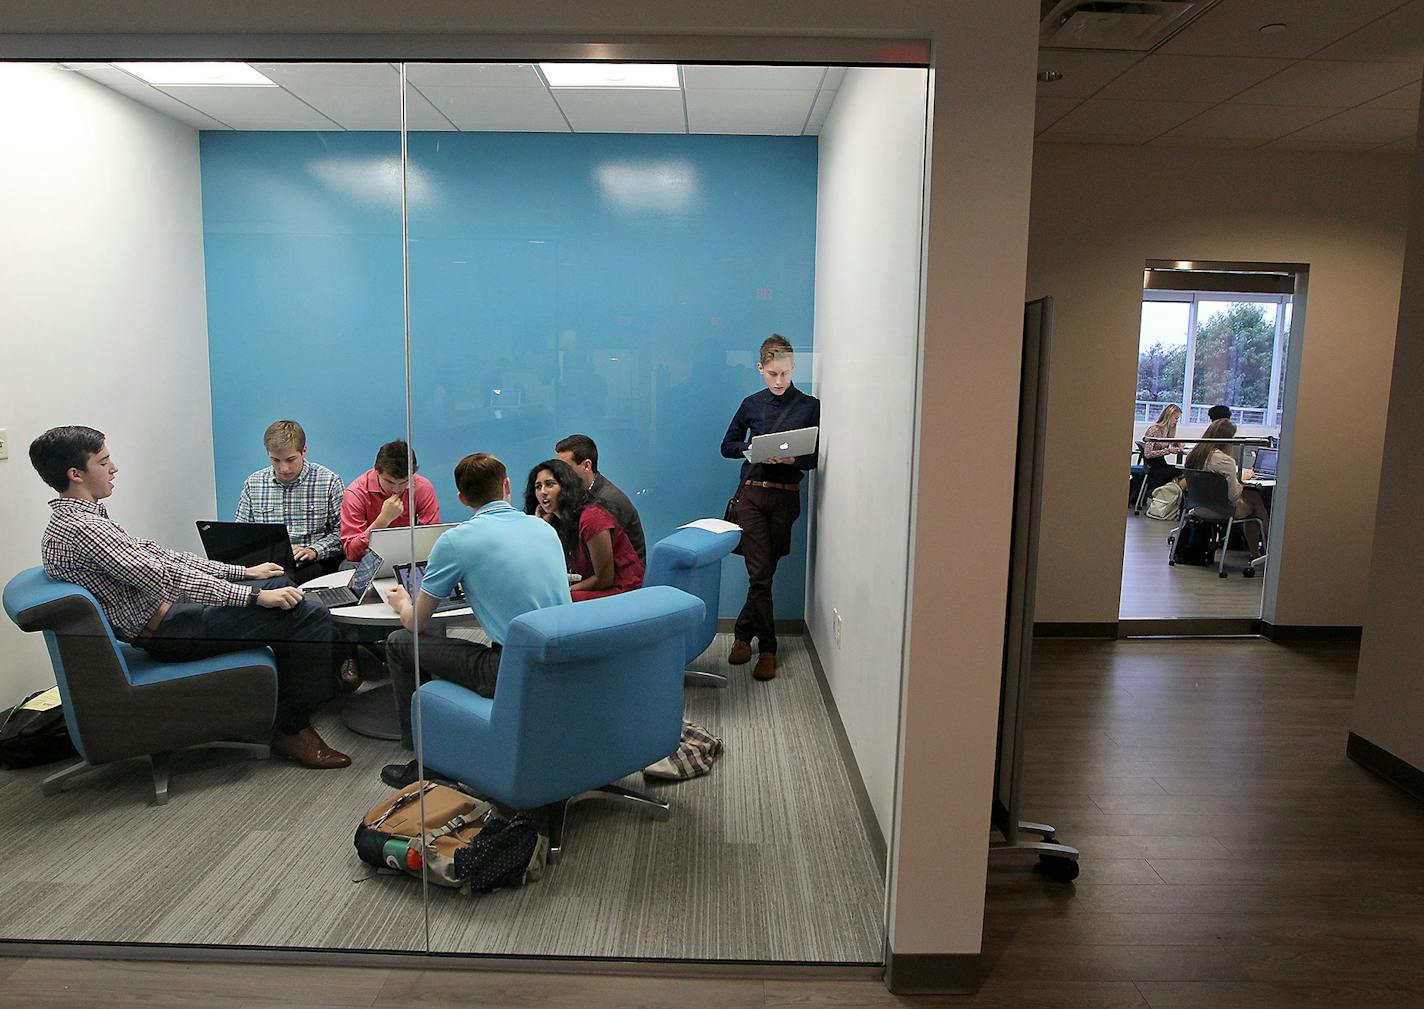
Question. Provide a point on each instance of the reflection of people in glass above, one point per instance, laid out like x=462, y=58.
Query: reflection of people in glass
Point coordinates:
x=595, y=546
x=1159, y=470
x=580, y=452
x=1246, y=500
x=768, y=499
x=303, y=495
x=376, y=499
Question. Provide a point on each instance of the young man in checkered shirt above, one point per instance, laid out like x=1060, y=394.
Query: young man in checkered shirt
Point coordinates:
x=303, y=495
x=179, y=606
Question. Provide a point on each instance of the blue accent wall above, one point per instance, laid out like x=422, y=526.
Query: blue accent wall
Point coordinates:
x=609, y=284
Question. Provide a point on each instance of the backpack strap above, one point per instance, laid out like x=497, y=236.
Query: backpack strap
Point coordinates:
x=463, y=820
x=401, y=801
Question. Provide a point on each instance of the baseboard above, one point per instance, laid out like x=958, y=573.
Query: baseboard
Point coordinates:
x=932, y=973
x=1307, y=632
x=1193, y=627
x=1377, y=760
x=1075, y=629
x=857, y=783
x=727, y=626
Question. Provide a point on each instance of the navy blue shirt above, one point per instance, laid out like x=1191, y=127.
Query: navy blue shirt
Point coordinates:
x=755, y=416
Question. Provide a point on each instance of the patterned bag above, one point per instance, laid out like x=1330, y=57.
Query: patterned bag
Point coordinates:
x=692, y=758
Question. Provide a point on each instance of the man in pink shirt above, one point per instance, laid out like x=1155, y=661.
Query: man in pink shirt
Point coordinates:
x=377, y=499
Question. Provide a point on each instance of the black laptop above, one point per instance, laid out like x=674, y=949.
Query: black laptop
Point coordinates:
x=248, y=543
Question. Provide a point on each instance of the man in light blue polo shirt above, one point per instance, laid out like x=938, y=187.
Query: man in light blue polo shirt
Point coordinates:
x=507, y=562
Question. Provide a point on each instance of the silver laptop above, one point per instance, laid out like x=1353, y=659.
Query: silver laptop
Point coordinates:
x=801, y=441
x=354, y=591
x=395, y=545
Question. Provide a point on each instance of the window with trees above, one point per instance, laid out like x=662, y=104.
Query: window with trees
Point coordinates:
x=1224, y=348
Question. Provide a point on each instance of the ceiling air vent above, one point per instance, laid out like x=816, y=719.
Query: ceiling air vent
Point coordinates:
x=1109, y=24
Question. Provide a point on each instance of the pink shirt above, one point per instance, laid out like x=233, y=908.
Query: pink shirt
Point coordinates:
x=362, y=503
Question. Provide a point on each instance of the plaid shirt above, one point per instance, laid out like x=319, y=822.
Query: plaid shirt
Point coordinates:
x=130, y=577
x=310, y=507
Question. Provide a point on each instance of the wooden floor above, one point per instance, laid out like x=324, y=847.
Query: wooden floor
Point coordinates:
x=1232, y=858
x=1152, y=588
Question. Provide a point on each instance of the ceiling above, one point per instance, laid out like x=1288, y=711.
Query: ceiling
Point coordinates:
x=783, y=101
x=1344, y=75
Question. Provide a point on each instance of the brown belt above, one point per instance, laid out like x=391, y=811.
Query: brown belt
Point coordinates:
x=154, y=621
x=773, y=486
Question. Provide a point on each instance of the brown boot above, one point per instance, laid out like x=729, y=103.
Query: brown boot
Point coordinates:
x=766, y=666
x=308, y=749
x=740, y=654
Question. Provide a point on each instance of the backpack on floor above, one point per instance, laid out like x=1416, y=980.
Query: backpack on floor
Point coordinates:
x=468, y=845
x=1166, y=501
x=33, y=732
x=1195, y=544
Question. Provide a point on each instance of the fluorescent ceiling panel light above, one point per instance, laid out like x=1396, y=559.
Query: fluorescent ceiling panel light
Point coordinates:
x=217, y=74
x=610, y=75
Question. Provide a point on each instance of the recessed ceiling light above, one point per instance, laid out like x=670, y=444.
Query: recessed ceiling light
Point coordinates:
x=1274, y=28
x=610, y=75
x=1049, y=76
x=232, y=75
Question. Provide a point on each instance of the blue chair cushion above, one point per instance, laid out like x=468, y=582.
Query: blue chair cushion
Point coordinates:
x=580, y=632
x=145, y=669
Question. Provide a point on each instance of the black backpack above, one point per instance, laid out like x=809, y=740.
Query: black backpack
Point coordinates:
x=497, y=856
x=33, y=732
x=1195, y=543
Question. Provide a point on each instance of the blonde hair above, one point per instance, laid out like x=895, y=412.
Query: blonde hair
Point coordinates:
x=283, y=434
x=775, y=346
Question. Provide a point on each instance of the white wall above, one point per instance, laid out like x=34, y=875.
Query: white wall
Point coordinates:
x=102, y=315
x=869, y=210
x=1098, y=214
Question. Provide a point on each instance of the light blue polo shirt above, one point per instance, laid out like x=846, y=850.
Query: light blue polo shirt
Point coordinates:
x=507, y=562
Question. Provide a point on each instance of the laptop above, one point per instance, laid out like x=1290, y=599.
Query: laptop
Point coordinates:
x=1264, y=466
x=801, y=441
x=394, y=545
x=354, y=591
x=248, y=543
x=412, y=577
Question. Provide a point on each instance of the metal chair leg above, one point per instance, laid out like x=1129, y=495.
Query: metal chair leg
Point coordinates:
x=558, y=812
x=703, y=678
x=660, y=809
x=54, y=783
x=162, y=769
x=1225, y=542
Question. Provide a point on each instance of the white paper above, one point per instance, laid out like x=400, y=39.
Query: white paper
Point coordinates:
x=718, y=526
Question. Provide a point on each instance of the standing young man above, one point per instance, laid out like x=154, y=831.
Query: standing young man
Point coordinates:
x=768, y=498
x=376, y=499
x=303, y=495
x=179, y=606
x=579, y=451
x=507, y=562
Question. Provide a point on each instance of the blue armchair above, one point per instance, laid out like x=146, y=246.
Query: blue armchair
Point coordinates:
x=120, y=703
x=691, y=559
x=587, y=693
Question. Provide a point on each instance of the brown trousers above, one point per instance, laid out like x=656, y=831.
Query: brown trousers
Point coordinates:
x=766, y=516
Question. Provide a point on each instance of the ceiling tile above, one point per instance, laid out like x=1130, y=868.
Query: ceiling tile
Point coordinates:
x=251, y=108
x=474, y=75
x=1049, y=110
x=1406, y=97
x=518, y=110
x=769, y=113
x=1088, y=138
x=356, y=96
x=131, y=87
x=1407, y=144
x=623, y=110
x=1171, y=78
x=1329, y=84
x=834, y=76
x=293, y=76
x=1083, y=72
x=1173, y=140
x=820, y=110
x=1233, y=27
x=1131, y=122
x=1399, y=35
x=701, y=78
x=1364, y=127
x=1256, y=123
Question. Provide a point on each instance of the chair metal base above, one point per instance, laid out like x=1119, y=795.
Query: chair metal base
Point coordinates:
x=557, y=812
x=1059, y=861
x=703, y=678
x=161, y=765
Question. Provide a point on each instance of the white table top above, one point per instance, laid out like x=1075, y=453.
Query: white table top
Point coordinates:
x=377, y=614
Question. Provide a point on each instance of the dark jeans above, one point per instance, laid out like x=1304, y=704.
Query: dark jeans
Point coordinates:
x=766, y=516
x=300, y=638
x=471, y=664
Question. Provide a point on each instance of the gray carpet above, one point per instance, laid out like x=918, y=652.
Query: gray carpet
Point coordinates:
x=764, y=859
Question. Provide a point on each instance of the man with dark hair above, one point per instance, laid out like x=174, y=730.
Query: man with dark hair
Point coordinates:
x=508, y=563
x=303, y=495
x=179, y=606
x=579, y=451
x=1219, y=412
x=376, y=499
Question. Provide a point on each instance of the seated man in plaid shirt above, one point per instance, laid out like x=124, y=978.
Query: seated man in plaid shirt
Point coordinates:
x=179, y=606
x=303, y=495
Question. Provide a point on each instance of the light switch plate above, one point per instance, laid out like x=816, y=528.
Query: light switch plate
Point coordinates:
x=4, y=443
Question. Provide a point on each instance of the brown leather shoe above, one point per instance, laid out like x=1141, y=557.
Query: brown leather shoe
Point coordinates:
x=348, y=678
x=766, y=666
x=308, y=749
x=740, y=654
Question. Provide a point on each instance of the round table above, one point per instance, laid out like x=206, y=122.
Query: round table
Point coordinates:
x=373, y=712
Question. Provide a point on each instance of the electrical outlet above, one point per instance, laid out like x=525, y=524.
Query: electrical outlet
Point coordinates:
x=836, y=626
x=4, y=443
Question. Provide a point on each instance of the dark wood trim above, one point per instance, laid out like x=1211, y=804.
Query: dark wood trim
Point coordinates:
x=857, y=783
x=1308, y=632
x=726, y=625
x=932, y=973
x=1377, y=760
x=1191, y=627
x=1075, y=629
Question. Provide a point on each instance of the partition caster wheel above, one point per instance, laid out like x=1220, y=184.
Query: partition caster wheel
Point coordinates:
x=1064, y=870
x=1222, y=574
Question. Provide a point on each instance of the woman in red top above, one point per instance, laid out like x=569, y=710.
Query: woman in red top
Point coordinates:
x=596, y=548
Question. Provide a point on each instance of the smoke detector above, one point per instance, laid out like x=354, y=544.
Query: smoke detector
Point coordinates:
x=1135, y=25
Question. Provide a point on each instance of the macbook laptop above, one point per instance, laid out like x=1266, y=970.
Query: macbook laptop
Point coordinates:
x=1264, y=466
x=248, y=543
x=801, y=441
x=412, y=577
x=354, y=591
x=395, y=545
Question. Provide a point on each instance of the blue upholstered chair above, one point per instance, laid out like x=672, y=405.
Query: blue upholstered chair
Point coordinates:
x=587, y=693
x=120, y=703
x=691, y=559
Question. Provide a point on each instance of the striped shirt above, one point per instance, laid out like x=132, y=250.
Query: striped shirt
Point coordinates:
x=310, y=506
x=130, y=577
